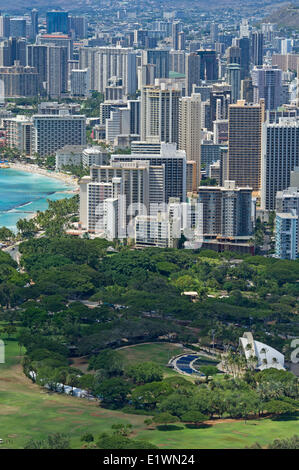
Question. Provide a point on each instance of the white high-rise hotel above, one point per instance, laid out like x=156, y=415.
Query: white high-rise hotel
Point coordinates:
x=80, y=82
x=280, y=155
x=117, y=62
x=106, y=62
x=160, y=113
x=190, y=129
x=52, y=132
x=136, y=184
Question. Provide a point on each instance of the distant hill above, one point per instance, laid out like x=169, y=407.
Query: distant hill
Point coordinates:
x=18, y=6
x=25, y=5
x=285, y=17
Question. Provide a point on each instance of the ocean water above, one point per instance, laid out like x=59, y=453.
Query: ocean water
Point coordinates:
x=22, y=194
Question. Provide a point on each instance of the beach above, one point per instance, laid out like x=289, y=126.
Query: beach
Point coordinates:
x=35, y=169
x=26, y=189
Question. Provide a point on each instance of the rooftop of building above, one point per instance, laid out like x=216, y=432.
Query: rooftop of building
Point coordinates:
x=286, y=215
x=70, y=149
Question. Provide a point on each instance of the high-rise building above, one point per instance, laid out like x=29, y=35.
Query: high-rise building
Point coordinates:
x=37, y=57
x=286, y=46
x=286, y=235
x=174, y=162
x=78, y=27
x=257, y=48
x=52, y=132
x=294, y=181
x=280, y=156
x=192, y=72
x=68, y=155
x=233, y=72
x=233, y=55
x=88, y=58
x=220, y=99
x=190, y=130
x=220, y=131
x=19, y=134
x=244, y=28
x=34, y=23
x=181, y=41
x=245, y=143
x=57, y=22
x=226, y=210
x=214, y=32
x=57, y=72
x=287, y=200
x=18, y=27
x=146, y=75
x=244, y=45
x=134, y=107
x=159, y=58
x=247, y=90
x=155, y=231
x=94, y=156
x=191, y=177
x=210, y=153
x=11, y=50
x=60, y=40
x=92, y=197
x=286, y=62
x=176, y=29
x=160, y=113
x=268, y=31
x=80, y=82
x=151, y=148
x=54, y=108
x=19, y=81
x=208, y=64
x=267, y=84
x=177, y=61
x=115, y=91
x=117, y=124
x=117, y=62
x=141, y=184
x=107, y=107
x=4, y=26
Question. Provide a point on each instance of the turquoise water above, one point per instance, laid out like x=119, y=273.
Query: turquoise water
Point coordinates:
x=22, y=194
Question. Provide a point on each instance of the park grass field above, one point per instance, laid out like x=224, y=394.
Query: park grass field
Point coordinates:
x=228, y=434
x=28, y=411
x=160, y=353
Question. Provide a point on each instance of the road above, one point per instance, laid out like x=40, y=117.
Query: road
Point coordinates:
x=13, y=251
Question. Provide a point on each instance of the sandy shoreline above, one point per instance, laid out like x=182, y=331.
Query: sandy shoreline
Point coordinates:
x=31, y=168
x=35, y=169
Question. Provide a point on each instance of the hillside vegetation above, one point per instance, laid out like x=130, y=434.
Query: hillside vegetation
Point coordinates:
x=285, y=17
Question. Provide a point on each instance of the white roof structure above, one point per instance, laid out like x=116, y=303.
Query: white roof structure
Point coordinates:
x=266, y=356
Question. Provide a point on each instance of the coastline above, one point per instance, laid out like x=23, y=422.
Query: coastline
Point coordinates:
x=35, y=169
x=70, y=184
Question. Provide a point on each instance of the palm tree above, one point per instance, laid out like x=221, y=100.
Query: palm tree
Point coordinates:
x=264, y=351
x=252, y=362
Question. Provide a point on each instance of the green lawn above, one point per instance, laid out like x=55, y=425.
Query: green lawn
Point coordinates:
x=160, y=353
x=233, y=435
x=28, y=411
